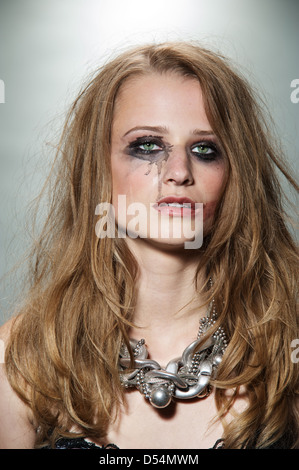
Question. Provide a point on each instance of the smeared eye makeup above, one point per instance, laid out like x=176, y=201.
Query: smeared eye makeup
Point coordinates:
x=149, y=148
x=206, y=151
x=153, y=149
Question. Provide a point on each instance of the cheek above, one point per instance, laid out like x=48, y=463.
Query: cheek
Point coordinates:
x=213, y=187
x=213, y=180
x=129, y=181
x=121, y=174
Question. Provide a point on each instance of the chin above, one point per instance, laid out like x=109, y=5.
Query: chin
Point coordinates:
x=173, y=245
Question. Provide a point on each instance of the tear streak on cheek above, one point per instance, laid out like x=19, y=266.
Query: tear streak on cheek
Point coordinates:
x=159, y=165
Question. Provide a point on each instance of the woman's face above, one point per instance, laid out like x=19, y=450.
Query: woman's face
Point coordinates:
x=164, y=158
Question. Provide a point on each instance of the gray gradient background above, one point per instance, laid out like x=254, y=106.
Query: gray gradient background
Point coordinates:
x=48, y=47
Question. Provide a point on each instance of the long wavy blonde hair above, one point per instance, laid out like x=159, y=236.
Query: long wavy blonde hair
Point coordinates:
x=62, y=358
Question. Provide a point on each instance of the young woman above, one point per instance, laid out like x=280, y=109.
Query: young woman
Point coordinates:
x=169, y=323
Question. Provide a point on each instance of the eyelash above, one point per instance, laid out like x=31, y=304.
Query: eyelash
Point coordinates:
x=135, y=150
x=208, y=157
x=135, y=146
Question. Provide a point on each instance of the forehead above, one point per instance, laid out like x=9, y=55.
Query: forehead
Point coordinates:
x=155, y=83
x=159, y=99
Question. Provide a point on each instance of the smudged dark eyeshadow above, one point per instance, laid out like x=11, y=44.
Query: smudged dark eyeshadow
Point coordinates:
x=213, y=155
x=134, y=148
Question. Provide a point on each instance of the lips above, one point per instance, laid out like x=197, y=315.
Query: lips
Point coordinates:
x=176, y=206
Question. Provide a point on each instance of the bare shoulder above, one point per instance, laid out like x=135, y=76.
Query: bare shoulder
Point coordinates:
x=16, y=430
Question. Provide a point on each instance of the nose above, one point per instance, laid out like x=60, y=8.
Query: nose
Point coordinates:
x=177, y=169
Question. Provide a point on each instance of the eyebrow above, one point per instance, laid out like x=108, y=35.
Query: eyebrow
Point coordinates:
x=159, y=129
x=203, y=132
x=164, y=130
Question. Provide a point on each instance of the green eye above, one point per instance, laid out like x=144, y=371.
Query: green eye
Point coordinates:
x=203, y=149
x=148, y=146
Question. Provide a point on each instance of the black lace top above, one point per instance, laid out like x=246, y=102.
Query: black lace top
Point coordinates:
x=285, y=442
x=81, y=443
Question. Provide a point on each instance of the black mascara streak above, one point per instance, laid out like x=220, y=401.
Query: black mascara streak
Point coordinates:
x=159, y=164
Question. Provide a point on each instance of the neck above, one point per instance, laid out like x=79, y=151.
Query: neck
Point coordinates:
x=168, y=307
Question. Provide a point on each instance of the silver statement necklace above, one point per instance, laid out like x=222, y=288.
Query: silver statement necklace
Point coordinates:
x=185, y=377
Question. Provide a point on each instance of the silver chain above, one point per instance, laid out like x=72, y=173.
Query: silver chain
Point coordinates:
x=185, y=377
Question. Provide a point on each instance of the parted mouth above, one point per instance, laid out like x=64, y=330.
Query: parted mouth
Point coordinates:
x=173, y=201
x=176, y=206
